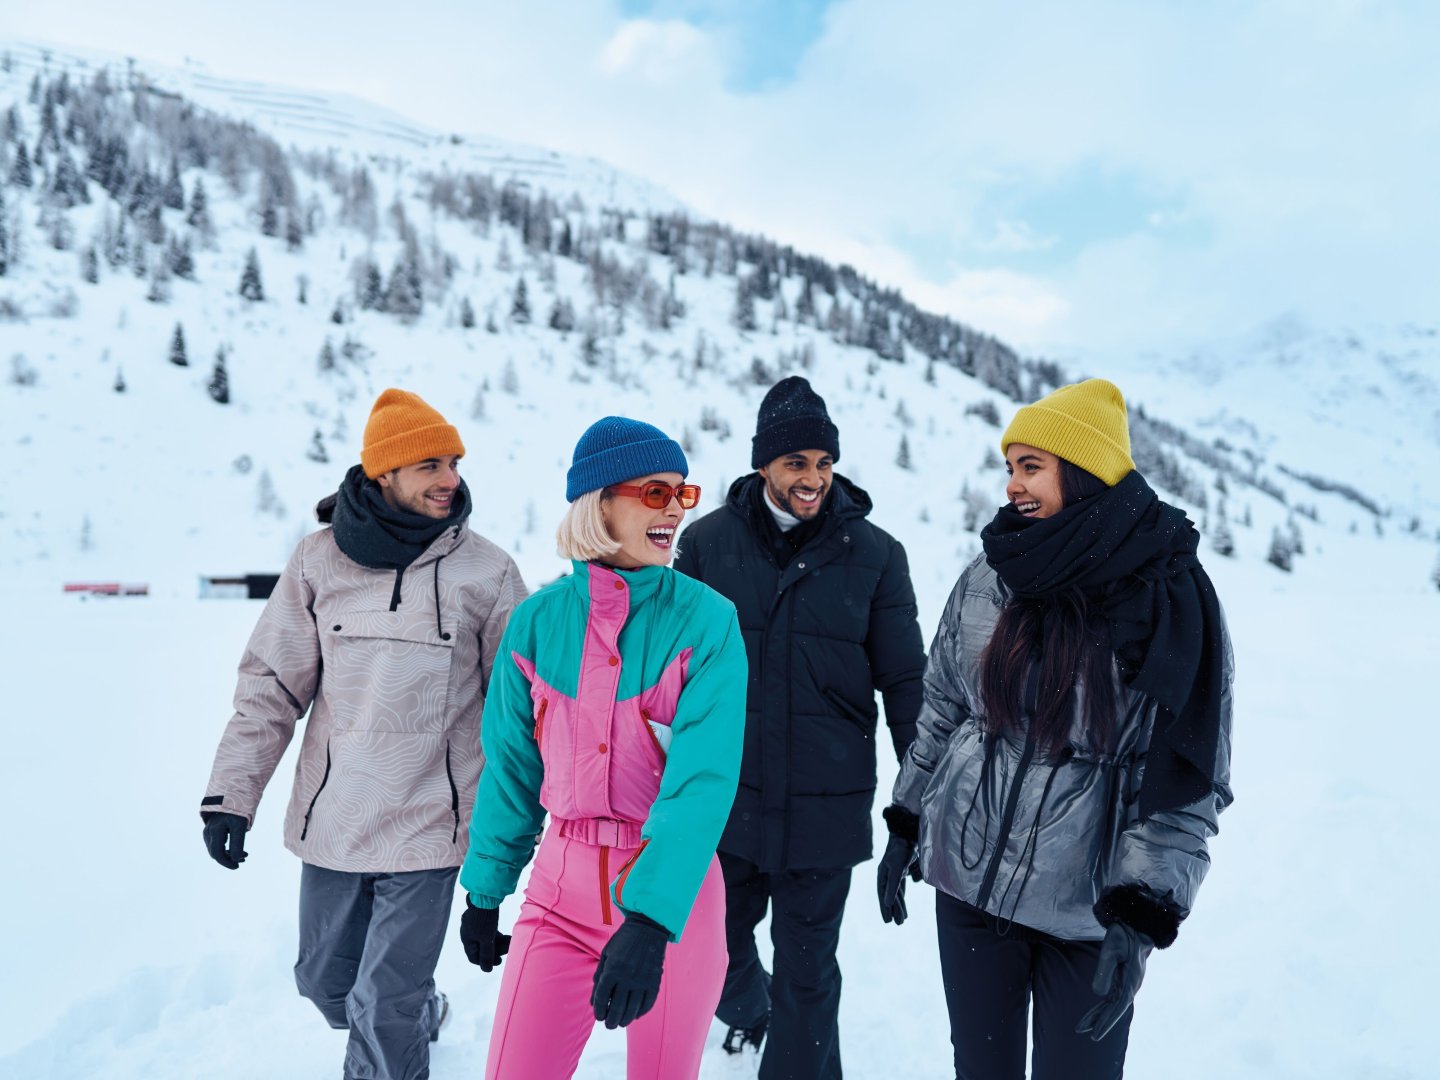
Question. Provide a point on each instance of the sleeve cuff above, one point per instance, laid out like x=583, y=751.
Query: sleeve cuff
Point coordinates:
x=1139, y=907
x=902, y=823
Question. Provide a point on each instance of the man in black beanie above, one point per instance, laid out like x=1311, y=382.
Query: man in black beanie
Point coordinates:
x=828, y=615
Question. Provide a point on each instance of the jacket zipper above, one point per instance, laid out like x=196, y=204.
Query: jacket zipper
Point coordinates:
x=454, y=796
x=625, y=873
x=323, y=781
x=395, y=596
x=605, y=885
x=645, y=719
x=540, y=720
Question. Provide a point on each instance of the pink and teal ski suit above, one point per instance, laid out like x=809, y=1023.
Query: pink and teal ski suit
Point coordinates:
x=588, y=668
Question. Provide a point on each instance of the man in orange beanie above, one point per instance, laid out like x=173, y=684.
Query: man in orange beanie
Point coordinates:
x=384, y=627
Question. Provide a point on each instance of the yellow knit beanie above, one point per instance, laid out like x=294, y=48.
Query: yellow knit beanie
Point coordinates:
x=402, y=430
x=1084, y=423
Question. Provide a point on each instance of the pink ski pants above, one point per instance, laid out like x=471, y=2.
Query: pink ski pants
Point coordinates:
x=544, y=1016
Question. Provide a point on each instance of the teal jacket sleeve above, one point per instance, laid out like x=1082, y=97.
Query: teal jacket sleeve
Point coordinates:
x=505, y=824
x=702, y=768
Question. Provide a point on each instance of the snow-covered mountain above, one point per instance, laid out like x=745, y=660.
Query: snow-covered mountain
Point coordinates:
x=524, y=293
x=204, y=284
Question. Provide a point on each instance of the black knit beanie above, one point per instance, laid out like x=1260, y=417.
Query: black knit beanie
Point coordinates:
x=792, y=417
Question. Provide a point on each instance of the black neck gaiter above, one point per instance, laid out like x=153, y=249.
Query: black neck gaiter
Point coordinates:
x=373, y=533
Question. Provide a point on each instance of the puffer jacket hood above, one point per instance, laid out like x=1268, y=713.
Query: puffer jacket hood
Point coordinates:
x=1052, y=845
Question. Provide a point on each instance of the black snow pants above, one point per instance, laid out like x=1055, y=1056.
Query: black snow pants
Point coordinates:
x=801, y=998
x=989, y=980
x=369, y=944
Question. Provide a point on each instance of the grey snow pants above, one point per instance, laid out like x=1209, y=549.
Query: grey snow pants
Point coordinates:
x=368, y=948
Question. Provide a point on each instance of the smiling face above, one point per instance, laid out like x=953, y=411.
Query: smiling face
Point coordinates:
x=428, y=487
x=798, y=482
x=646, y=536
x=1034, y=487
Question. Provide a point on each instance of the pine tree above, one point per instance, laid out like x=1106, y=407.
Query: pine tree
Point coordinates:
x=509, y=380
x=219, y=385
x=172, y=194
x=520, y=304
x=20, y=173
x=467, y=313
x=119, y=386
x=302, y=289
x=337, y=315
x=178, y=356
x=372, y=289
x=404, y=295
x=159, y=291
x=89, y=265
x=250, y=286
x=902, y=456
x=743, y=315
x=1281, y=555
x=316, y=450
x=267, y=501
x=477, y=407
x=562, y=315
x=327, y=356
x=294, y=234
x=180, y=258
x=1221, y=540
x=198, y=216
x=4, y=236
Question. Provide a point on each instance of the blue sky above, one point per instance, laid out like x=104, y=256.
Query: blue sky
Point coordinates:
x=1072, y=175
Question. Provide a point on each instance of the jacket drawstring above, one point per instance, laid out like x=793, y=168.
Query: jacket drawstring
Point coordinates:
x=439, y=630
x=985, y=765
x=1004, y=922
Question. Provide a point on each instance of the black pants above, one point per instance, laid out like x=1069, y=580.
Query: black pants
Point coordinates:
x=989, y=979
x=368, y=948
x=802, y=996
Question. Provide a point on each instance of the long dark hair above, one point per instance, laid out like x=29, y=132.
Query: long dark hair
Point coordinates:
x=1064, y=640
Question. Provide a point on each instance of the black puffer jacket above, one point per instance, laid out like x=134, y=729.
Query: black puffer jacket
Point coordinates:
x=824, y=627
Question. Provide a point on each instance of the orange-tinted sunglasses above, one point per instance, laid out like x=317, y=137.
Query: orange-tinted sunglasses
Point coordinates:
x=657, y=495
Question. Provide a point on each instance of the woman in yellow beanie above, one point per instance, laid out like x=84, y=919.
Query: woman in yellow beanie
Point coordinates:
x=1073, y=753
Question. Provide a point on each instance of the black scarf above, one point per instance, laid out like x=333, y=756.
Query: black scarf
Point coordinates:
x=1136, y=557
x=785, y=542
x=373, y=533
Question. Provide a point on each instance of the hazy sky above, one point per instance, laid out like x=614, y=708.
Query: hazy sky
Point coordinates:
x=1090, y=174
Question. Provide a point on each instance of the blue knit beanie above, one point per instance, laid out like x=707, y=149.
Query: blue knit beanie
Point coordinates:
x=617, y=449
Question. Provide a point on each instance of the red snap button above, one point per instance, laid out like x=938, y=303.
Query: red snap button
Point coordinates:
x=619, y=584
x=602, y=748
x=614, y=660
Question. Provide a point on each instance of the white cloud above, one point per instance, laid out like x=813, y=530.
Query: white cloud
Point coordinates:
x=655, y=52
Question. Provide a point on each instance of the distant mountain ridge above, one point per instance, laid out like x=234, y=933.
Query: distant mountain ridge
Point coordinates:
x=198, y=316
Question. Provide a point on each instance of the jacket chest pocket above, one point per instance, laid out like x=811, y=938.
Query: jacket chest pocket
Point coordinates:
x=388, y=671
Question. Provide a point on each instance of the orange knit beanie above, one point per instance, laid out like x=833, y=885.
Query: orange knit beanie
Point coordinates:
x=402, y=430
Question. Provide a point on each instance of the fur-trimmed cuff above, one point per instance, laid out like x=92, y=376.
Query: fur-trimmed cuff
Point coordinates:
x=901, y=823
x=1138, y=907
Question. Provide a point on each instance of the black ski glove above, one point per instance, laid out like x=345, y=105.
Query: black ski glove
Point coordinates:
x=899, y=858
x=627, y=979
x=225, y=837
x=1117, y=977
x=480, y=934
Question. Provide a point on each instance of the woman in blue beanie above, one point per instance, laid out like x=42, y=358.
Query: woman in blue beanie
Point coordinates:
x=617, y=706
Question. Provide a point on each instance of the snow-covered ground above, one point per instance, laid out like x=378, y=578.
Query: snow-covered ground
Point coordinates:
x=1310, y=955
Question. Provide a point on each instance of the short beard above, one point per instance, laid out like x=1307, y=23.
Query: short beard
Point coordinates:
x=783, y=501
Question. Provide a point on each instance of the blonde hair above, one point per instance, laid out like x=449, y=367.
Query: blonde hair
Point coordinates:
x=582, y=534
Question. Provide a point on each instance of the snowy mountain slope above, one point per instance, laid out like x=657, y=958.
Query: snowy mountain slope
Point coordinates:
x=1357, y=406
x=139, y=958
x=326, y=121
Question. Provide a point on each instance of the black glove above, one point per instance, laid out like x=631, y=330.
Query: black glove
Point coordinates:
x=627, y=979
x=225, y=837
x=480, y=934
x=899, y=858
x=1117, y=977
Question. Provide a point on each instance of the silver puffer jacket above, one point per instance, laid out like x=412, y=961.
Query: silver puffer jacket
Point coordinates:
x=1036, y=842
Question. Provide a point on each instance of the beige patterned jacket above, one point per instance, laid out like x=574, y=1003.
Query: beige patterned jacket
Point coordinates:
x=390, y=757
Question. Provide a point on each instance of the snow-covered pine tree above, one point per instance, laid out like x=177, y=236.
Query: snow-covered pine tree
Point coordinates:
x=902, y=456
x=1281, y=555
x=219, y=385
x=372, y=288
x=509, y=379
x=250, y=285
x=467, y=313
x=89, y=265
x=316, y=450
x=327, y=356
x=198, y=216
x=520, y=303
x=172, y=194
x=743, y=314
x=178, y=356
x=1222, y=542
x=21, y=175
x=119, y=385
x=4, y=236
